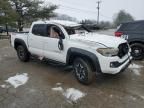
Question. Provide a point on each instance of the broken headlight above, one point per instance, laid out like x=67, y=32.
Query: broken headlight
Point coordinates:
x=108, y=52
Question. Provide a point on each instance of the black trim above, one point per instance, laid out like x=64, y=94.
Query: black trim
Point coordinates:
x=135, y=40
x=74, y=52
x=125, y=67
x=19, y=42
x=116, y=64
x=55, y=61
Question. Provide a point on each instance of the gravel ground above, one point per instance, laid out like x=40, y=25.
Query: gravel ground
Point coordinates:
x=53, y=86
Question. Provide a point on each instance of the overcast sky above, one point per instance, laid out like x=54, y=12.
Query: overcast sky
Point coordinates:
x=86, y=9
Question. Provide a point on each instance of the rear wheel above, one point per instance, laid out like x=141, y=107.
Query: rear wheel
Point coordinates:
x=22, y=53
x=83, y=71
x=137, y=51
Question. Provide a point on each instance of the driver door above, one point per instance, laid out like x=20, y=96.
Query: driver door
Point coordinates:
x=51, y=46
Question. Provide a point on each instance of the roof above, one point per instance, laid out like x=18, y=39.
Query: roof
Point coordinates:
x=61, y=22
x=137, y=21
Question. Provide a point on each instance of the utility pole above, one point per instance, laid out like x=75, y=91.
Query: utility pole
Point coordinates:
x=98, y=8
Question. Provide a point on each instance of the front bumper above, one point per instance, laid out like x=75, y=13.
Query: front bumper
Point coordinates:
x=114, y=65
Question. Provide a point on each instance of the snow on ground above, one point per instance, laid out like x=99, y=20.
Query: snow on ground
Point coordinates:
x=133, y=98
x=58, y=84
x=4, y=86
x=135, y=69
x=60, y=89
x=18, y=80
x=135, y=66
x=136, y=72
x=4, y=48
x=71, y=94
x=5, y=55
x=142, y=97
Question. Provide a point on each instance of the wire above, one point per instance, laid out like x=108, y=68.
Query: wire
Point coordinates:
x=77, y=9
x=82, y=10
x=105, y=16
x=69, y=2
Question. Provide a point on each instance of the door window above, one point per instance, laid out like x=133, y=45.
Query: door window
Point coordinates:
x=55, y=32
x=40, y=30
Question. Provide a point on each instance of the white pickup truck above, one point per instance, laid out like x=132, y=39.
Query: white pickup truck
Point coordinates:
x=73, y=44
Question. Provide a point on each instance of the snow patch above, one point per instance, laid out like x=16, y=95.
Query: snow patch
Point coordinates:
x=135, y=66
x=5, y=55
x=111, y=96
x=58, y=84
x=73, y=94
x=18, y=80
x=135, y=69
x=142, y=97
x=136, y=72
x=133, y=98
x=4, y=86
x=58, y=89
x=5, y=48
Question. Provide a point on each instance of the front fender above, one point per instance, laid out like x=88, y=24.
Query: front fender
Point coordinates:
x=76, y=52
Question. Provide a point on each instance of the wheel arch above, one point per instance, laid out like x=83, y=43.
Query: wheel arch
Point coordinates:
x=18, y=42
x=76, y=52
x=136, y=41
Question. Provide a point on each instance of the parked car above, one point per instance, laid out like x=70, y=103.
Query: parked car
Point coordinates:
x=133, y=32
x=62, y=42
x=1, y=29
x=10, y=29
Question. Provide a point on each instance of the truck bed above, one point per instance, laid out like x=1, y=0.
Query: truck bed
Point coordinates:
x=19, y=35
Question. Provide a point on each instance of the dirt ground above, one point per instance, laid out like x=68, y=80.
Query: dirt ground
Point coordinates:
x=125, y=90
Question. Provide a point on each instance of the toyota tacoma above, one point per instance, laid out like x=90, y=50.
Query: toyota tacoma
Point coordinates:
x=73, y=44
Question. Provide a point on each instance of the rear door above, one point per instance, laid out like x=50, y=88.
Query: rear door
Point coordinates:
x=36, y=39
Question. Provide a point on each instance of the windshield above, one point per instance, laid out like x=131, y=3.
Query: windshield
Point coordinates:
x=76, y=30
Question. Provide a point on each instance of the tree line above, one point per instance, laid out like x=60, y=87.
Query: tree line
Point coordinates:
x=21, y=12
x=121, y=17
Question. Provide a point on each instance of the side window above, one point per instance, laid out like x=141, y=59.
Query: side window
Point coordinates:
x=40, y=30
x=55, y=32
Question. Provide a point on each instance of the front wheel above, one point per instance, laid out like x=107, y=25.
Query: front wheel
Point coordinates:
x=83, y=71
x=22, y=53
x=137, y=51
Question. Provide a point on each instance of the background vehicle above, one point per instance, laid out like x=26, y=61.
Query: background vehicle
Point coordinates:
x=71, y=44
x=1, y=29
x=133, y=32
x=10, y=29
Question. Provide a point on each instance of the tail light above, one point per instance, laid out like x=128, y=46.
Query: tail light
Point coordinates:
x=118, y=34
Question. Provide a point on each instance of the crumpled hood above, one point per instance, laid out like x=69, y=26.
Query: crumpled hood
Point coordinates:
x=109, y=41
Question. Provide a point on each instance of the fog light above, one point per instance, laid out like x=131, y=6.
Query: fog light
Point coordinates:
x=114, y=64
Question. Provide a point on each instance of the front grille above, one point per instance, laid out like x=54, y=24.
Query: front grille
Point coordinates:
x=123, y=49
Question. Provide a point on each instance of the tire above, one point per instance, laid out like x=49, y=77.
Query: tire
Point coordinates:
x=23, y=54
x=85, y=77
x=137, y=51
